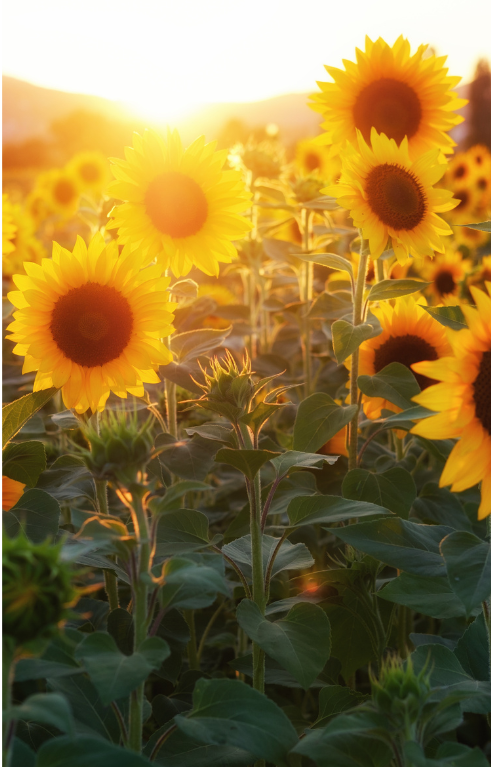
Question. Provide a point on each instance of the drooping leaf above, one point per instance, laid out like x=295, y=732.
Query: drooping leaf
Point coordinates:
x=24, y=461
x=430, y=595
x=386, y=289
x=439, y=505
x=326, y=509
x=449, y=316
x=447, y=755
x=84, y=750
x=332, y=306
x=399, y=543
x=182, y=751
x=87, y=707
x=355, y=749
x=188, y=458
x=68, y=478
x=181, y=531
x=347, y=337
x=190, y=585
x=334, y=699
x=300, y=460
x=300, y=642
x=195, y=343
x=395, y=383
x=248, y=462
x=121, y=627
x=113, y=674
x=45, y=708
x=394, y=489
x=17, y=413
x=219, y=432
x=291, y=556
x=36, y=513
x=330, y=260
x=484, y=226
x=318, y=419
x=227, y=712
x=468, y=561
x=473, y=650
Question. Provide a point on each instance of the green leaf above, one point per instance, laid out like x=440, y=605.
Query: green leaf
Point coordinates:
x=172, y=498
x=334, y=699
x=219, y=432
x=468, y=561
x=190, y=585
x=322, y=203
x=45, y=708
x=182, y=751
x=16, y=414
x=405, y=420
x=195, y=343
x=395, y=383
x=449, y=316
x=394, y=489
x=248, y=462
x=291, y=556
x=300, y=642
x=347, y=338
x=431, y=596
x=67, y=478
x=120, y=625
x=484, y=226
x=113, y=674
x=332, y=306
x=24, y=462
x=84, y=750
x=296, y=459
x=330, y=260
x=258, y=417
x=386, y=289
x=87, y=706
x=22, y=755
x=181, y=531
x=472, y=650
x=440, y=506
x=447, y=755
x=343, y=750
x=352, y=630
x=188, y=458
x=36, y=513
x=66, y=420
x=227, y=712
x=318, y=419
x=326, y=509
x=399, y=543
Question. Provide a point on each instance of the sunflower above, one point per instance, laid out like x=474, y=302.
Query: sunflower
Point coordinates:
x=467, y=199
x=460, y=170
x=480, y=157
x=463, y=402
x=445, y=273
x=409, y=334
x=91, y=170
x=337, y=444
x=180, y=206
x=11, y=492
x=387, y=194
x=62, y=192
x=470, y=238
x=9, y=227
x=312, y=157
x=482, y=274
x=23, y=246
x=397, y=94
x=36, y=206
x=90, y=322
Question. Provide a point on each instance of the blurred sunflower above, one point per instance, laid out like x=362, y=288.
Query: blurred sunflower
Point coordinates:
x=11, y=492
x=460, y=170
x=24, y=246
x=409, y=334
x=311, y=157
x=90, y=322
x=91, y=170
x=482, y=274
x=467, y=202
x=37, y=206
x=180, y=206
x=463, y=402
x=9, y=227
x=395, y=93
x=222, y=296
x=470, y=238
x=445, y=273
x=62, y=192
x=480, y=157
x=387, y=194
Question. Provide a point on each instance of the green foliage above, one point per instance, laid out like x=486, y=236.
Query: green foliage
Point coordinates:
x=24, y=462
x=318, y=419
x=17, y=413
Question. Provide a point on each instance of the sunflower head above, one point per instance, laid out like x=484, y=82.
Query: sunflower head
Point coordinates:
x=393, y=92
x=91, y=322
x=389, y=195
x=37, y=589
x=446, y=273
x=62, y=192
x=91, y=170
x=9, y=227
x=179, y=205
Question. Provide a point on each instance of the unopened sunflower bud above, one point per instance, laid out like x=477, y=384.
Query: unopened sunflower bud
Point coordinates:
x=121, y=449
x=399, y=691
x=37, y=589
x=228, y=390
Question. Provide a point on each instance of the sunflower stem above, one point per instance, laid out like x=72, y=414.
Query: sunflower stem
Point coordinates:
x=307, y=275
x=379, y=270
x=357, y=319
x=170, y=391
x=192, y=648
x=110, y=579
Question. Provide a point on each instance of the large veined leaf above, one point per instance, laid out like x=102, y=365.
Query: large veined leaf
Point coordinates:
x=248, y=462
x=430, y=595
x=190, y=585
x=181, y=531
x=296, y=459
x=449, y=316
x=194, y=343
x=188, y=458
x=45, y=708
x=347, y=337
x=394, y=489
x=468, y=560
x=386, y=289
x=395, y=383
x=84, y=750
x=16, y=414
x=326, y=509
x=36, y=513
x=290, y=556
x=24, y=462
x=318, y=419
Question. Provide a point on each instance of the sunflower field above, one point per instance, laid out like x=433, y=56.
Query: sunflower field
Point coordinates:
x=247, y=443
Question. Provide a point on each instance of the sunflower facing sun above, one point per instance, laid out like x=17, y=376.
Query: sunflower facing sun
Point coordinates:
x=180, y=206
x=395, y=93
x=90, y=322
x=388, y=195
x=446, y=273
x=463, y=402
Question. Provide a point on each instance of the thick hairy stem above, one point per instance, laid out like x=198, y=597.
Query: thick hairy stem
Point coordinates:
x=357, y=319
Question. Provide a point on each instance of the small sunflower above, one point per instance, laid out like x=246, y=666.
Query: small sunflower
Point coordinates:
x=467, y=199
x=180, y=206
x=409, y=334
x=62, y=192
x=9, y=227
x=23, y=246
x=388, y=195
x=480, y=157
x=37, y=206
x=470, y=238
x=445, y=273
x=91, y=322
x=312, y=157
x=460, y=170
x=11, y=492
x=91, y=170
x=463, y=402
x=397, y=94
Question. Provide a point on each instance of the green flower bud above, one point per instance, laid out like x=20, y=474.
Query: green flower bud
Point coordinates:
x=228, y=390
x=121, y=449
x=399, y=691
x=37, y=589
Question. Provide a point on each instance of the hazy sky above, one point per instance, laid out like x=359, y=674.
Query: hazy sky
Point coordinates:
x=166, y=56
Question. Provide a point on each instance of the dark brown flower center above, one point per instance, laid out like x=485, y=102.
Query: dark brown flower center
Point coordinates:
x=90, y=172
x=444, y=282
x=312, y=161
x=464, y=197
x=176, y=204
x=460, y=171
x=64, y=192
x=395, y=196
x=390, y=106
x=482, y=183
x=92, y=324
x=482, y=392
x=406, y=350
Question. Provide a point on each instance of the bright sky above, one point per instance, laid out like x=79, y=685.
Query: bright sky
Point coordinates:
x=164, y=57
